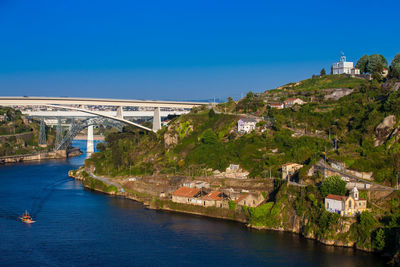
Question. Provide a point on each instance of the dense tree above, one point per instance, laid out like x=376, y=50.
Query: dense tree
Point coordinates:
x=396, y=59
x=333, y=185
x=364, y=226
x=323, y=72
x=362, y=63
x=395, y=71
x=372, y=63
x=376, y=63
x=395, y=67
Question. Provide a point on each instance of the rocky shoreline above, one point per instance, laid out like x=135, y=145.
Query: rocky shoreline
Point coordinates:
x=153, y=202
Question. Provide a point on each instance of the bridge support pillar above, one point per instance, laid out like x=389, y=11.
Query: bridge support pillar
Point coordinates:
x=156, y=120
x=42, y=134
x=59, y=132
x=90, y=143
x=120, y=113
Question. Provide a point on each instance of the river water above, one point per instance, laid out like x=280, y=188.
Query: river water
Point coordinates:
x=79, y=227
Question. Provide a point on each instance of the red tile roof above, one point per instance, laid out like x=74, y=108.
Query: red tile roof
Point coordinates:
x=336, y=197
x=213, y=195
x=240, y=198
x=291, y=99
x=186, y=192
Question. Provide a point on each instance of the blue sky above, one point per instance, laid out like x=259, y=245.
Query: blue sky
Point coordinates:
x=182, y=49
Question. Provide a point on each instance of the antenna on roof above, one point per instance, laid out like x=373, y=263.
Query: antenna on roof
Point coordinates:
x=342, y=57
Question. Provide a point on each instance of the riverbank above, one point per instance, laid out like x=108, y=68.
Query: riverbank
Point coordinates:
x=294, y=223
x=60, y=154
x=87, y=223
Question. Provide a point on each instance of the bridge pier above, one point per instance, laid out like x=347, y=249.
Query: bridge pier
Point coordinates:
x=59, y=132
x=157, y=120
x=90, y=143
x=120, y=113
x=42, y=134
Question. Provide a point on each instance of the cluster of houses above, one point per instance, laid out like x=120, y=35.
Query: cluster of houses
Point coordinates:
x=201, y=196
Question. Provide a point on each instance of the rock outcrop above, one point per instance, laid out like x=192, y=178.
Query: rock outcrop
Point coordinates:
x=338, y=93
x=384, y=130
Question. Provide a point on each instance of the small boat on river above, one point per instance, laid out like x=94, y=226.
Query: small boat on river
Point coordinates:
x=26, y=218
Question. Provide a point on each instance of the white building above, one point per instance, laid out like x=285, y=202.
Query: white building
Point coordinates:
x=346, y=206
x=344, y=67
x=293, y=101
x=246, y=125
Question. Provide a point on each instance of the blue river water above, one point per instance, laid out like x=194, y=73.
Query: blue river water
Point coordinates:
x=79, y=227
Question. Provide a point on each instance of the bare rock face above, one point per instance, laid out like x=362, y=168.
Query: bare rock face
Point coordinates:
x=338, y=93
x=396, y=86
x=384, y=129
x=170, y=138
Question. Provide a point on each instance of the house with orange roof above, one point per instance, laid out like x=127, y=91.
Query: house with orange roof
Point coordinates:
x=346, y=205
x=186, y=195
x=250, y=199
x=215, y=199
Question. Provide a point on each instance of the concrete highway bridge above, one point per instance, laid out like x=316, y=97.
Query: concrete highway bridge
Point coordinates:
x=66, y=107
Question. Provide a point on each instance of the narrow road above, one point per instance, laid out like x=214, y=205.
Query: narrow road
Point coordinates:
x=107, y=181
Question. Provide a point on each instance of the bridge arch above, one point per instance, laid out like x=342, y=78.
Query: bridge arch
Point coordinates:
x=76, y=128
x=105, y=116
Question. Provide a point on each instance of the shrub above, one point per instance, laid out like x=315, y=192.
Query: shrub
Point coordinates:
x=379, y=240
x=232, y=205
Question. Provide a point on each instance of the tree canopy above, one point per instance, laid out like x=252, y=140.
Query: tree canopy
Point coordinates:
x=372, y=63
x=333, y=185
x=395, y=67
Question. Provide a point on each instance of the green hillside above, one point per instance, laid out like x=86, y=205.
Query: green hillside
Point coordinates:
x=19, y=135
x=205, y=140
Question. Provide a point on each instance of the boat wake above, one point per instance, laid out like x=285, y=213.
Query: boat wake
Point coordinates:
x=8, y=215
x=44, y=195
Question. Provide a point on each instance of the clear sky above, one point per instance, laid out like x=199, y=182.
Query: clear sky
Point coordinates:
x=153, y=49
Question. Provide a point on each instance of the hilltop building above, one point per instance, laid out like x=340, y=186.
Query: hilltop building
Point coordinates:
x=346, y=206
x=344, y=67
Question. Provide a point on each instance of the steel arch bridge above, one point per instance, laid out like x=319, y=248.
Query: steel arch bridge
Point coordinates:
x=76, y=128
